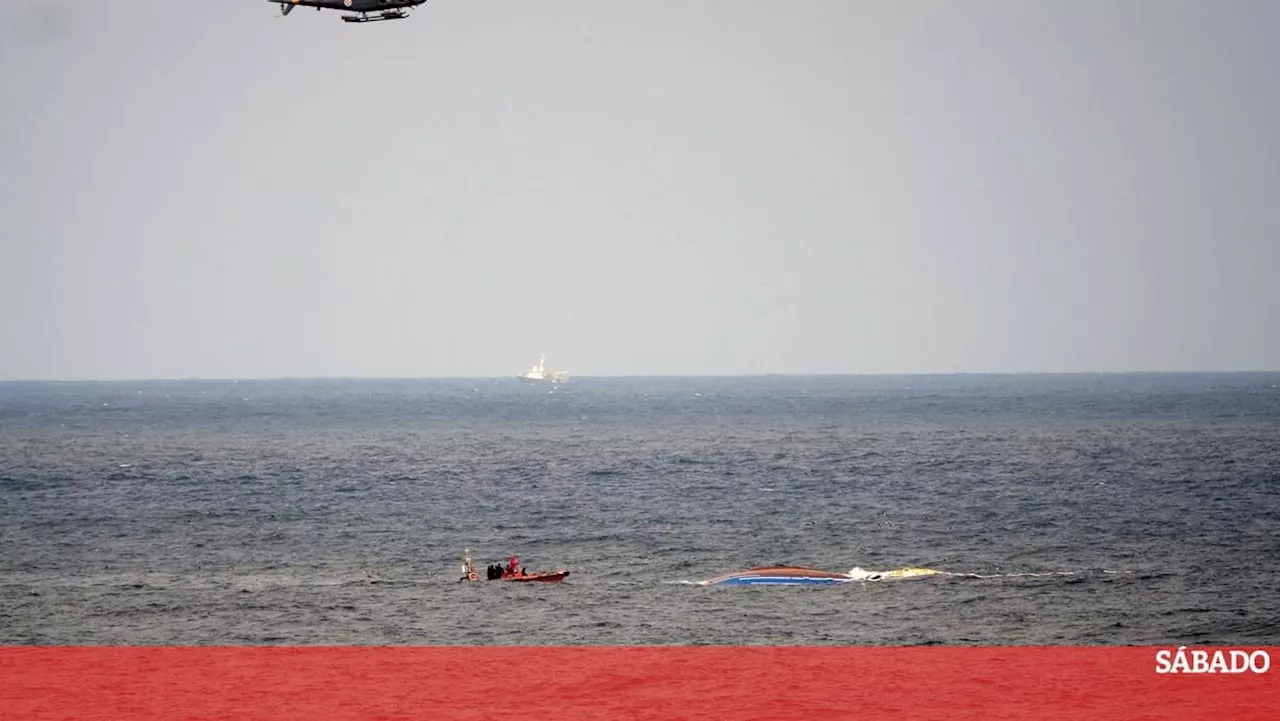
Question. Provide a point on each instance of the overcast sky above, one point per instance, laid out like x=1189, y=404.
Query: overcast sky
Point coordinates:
x=635, y=187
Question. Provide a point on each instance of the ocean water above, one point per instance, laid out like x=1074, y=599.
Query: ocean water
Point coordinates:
x=1090, y=509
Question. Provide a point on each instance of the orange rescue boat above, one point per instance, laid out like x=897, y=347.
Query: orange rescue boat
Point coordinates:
x=513, y=571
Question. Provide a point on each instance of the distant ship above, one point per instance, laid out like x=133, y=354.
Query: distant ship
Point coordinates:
x=540, y=374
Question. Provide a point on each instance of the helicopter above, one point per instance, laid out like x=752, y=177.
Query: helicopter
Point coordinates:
x=360, y=11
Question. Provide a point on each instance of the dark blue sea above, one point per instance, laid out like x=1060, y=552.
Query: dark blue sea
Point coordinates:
x=1072, y=509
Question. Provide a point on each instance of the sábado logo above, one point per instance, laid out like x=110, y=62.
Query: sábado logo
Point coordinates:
x=1200, y=661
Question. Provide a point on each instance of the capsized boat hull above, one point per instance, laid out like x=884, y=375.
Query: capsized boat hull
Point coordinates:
x=800, y=576
x=858, y=574
x=779, y=576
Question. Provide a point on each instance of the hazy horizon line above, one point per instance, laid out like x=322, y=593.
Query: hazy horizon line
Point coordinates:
x=673, y=376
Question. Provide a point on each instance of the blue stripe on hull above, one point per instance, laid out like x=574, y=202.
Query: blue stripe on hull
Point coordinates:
x=777, y=580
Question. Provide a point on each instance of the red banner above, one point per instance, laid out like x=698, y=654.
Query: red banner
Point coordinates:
x=570, y=683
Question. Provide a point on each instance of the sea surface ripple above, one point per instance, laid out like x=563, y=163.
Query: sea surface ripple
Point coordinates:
x=336, y=511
